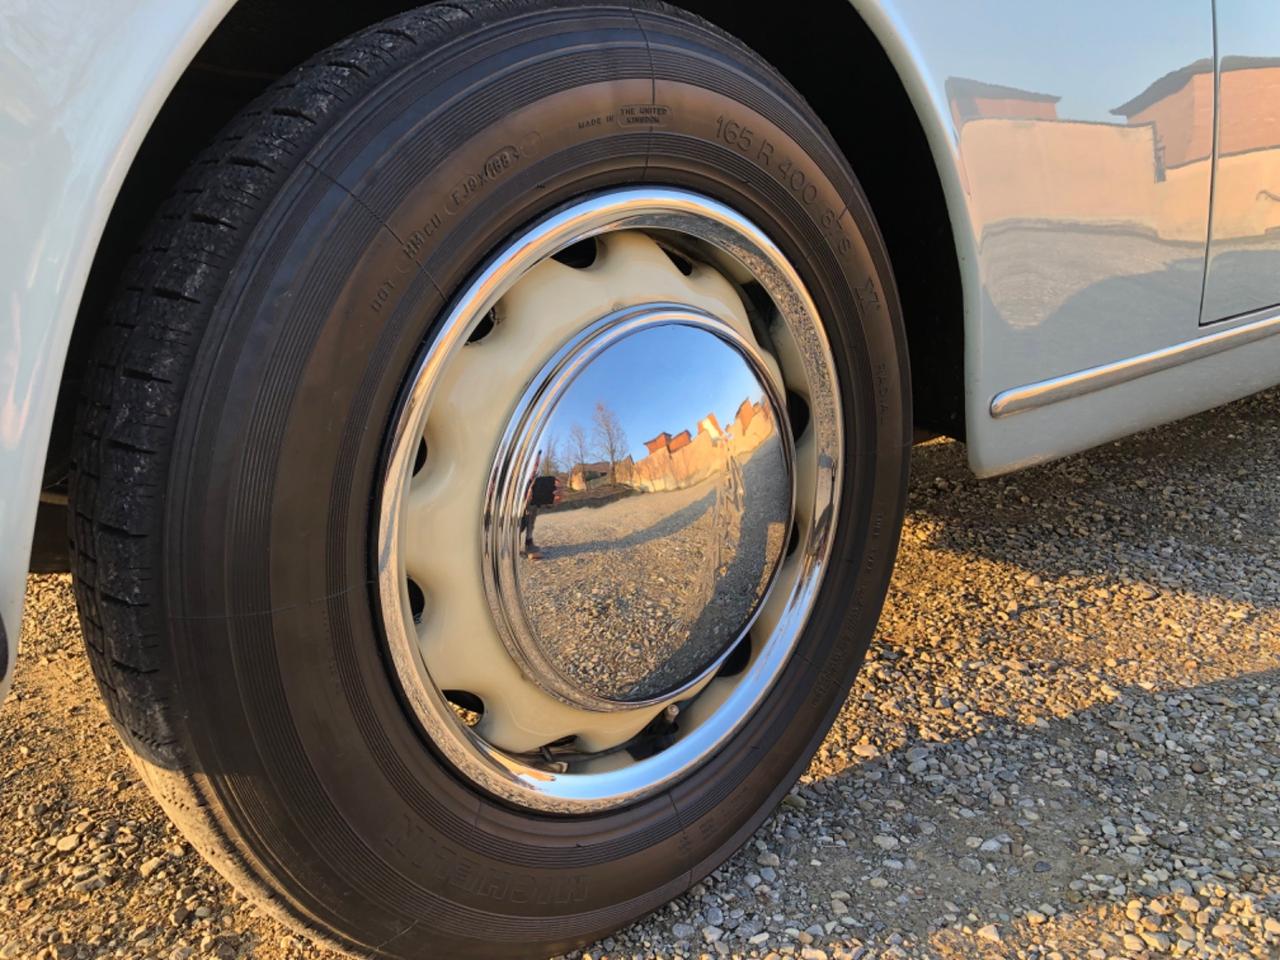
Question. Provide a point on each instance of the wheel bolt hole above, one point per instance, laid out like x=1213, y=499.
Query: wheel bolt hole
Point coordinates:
x=484, y=327
x=737, y=660
x=683, y=264
x=468, y=707
x=794, y=542
x=417, y=601
x=797, y=413
x=579, y=255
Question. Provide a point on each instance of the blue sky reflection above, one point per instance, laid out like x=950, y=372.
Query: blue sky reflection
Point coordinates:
x=664, y=378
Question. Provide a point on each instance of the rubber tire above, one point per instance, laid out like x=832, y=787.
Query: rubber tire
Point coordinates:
x=233, y=423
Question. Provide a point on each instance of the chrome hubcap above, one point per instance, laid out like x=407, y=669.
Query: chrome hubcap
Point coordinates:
x=623, y=577
x=609, y=499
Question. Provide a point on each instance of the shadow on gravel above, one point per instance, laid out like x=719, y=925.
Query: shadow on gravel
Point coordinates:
x=670, y=524
x=1176, y=507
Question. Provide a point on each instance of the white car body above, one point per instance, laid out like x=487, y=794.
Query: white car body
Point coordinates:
x=81, y=84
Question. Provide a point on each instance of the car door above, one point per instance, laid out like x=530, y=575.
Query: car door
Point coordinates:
x=1243, y=266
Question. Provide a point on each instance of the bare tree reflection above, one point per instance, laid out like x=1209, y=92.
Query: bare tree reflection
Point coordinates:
x=611, y=439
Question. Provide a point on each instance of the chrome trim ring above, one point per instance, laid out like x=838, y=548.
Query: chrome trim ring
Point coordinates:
x=1253, y=327
x=492, y=755
x=672, y=639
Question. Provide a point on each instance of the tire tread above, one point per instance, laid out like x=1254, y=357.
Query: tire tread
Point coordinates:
x=134, y=388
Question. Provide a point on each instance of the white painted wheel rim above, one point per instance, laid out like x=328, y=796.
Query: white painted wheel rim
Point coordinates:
x=431, y=522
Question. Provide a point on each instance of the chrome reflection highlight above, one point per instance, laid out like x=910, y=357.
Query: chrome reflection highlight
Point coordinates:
x=713, y=709
x=626, y=579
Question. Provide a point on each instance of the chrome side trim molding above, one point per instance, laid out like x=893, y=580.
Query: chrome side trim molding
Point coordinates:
x=1071, y=385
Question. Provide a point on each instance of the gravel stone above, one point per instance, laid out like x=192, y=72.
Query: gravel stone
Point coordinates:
x=150, y=866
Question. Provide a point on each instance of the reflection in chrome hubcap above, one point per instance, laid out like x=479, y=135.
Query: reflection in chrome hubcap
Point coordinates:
x=625, y=576
x=579, y=655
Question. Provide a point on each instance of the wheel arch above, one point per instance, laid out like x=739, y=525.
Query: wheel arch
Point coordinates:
x=858, y=76
x=853, y=62
x=857, y=71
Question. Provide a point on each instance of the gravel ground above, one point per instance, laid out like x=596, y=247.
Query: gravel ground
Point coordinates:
x=1066, y=743
x=618, y=578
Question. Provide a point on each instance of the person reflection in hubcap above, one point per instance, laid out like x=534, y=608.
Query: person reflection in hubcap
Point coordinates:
x=542, y=492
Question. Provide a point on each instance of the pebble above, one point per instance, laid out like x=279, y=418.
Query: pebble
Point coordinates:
x=150, y=866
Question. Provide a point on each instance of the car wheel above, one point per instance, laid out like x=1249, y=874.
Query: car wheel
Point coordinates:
x=490, y=474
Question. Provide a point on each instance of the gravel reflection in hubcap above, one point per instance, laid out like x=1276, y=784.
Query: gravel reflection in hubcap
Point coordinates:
x=640, y=504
